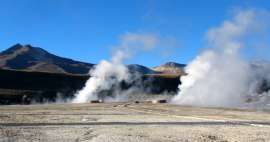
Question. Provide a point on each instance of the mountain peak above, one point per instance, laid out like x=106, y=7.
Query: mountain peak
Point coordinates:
x=173, y=64
x=170, y=68
x=19, y=47
x=13, y=49
x=27, y=57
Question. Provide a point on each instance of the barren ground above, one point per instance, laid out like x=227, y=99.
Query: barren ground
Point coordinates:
x=114, y=122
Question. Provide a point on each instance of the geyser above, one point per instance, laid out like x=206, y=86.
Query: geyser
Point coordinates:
x=108, y=74
x=219, y=75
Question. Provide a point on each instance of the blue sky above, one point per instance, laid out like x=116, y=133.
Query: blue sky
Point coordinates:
x=86, y=30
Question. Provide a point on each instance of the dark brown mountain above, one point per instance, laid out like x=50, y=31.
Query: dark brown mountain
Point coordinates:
x=29, y=58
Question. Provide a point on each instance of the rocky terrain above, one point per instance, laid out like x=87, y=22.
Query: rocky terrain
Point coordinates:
x=143, y=122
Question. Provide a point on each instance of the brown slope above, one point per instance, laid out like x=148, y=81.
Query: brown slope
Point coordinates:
x=170, y=68
x=26, y=57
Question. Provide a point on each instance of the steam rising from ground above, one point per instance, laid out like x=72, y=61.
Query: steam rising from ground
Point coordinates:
x=219, y=76
x=109, y=74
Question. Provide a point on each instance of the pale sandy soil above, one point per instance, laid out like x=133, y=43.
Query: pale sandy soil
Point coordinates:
x=114, y=122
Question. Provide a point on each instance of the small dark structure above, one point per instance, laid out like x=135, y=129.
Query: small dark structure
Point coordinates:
x=159, y=101
x=96, y=101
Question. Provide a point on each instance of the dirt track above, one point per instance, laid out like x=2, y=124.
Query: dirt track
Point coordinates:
x=131, y=122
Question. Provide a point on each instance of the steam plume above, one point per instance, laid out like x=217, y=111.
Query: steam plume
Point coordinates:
x=106, y=74
x=219, y=76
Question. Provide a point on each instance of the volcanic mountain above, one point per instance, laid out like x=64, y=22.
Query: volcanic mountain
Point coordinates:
x=29, y=58
x=170, y=68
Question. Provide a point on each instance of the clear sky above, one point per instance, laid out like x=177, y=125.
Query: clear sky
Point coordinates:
x=86, y=30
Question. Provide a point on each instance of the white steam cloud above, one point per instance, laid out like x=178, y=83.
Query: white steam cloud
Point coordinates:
x=106, y=74
x=219, y=76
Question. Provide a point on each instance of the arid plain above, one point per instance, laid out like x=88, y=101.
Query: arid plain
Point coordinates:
x=133, y=122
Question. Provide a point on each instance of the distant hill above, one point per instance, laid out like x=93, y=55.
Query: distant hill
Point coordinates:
x=27, y=57
x=170, y=68
x=135, y=68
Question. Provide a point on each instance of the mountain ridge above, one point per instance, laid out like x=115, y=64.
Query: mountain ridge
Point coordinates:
x=29, y=58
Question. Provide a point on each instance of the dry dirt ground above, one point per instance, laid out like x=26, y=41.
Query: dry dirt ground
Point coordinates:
x=115, y=122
